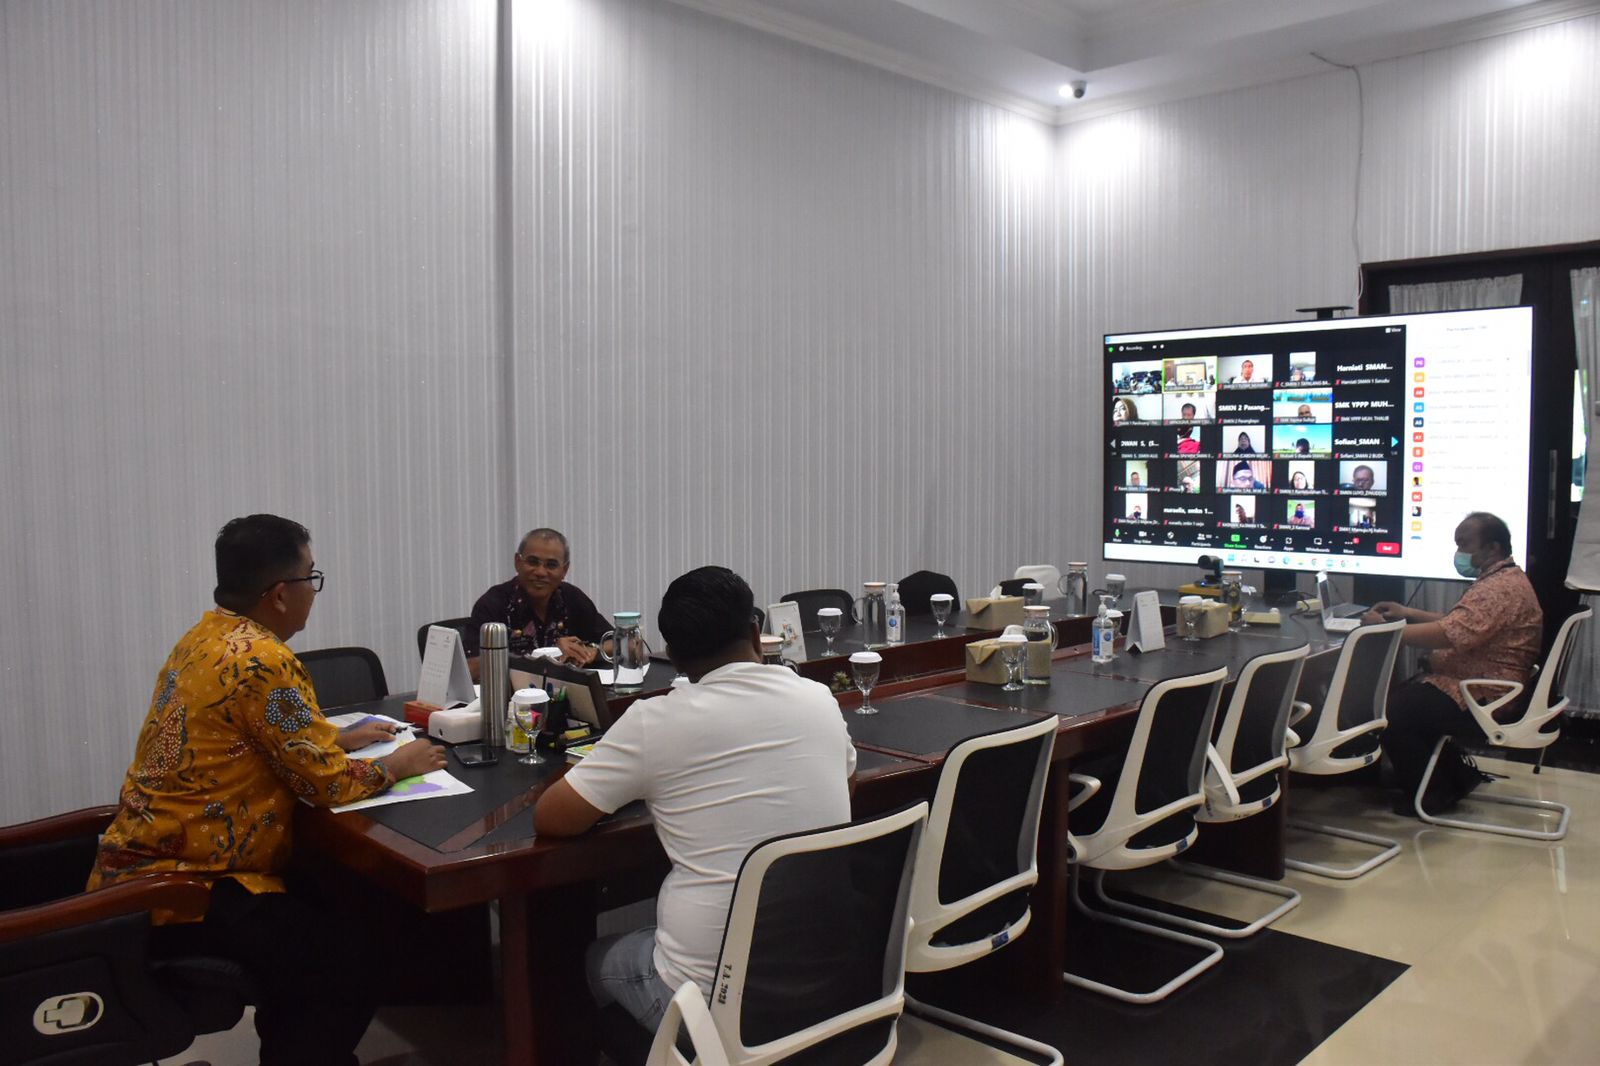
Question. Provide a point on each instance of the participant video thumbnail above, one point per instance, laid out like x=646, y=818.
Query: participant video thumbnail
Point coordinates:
x=1136, y=507
x=1136, y=475
x=1146, y=408
x=1302, y=368
x=1188, y=406
x=1302, y=405
x=1188, y=475
x=1239, y=511
x=1303, y=440
x=1193, y=374
x=1244, y=475
x=1244, y=440
x=1136, y=378
x=1364, y=476
x=1299, y=476
x=1302, y=514
x=1244, y=370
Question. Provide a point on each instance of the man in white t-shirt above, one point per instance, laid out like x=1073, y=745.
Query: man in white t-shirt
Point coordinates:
x=745, y=753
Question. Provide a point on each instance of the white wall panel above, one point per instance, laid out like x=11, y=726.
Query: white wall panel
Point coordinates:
x=775, y=310
x=244, y=265
x=1487, y=145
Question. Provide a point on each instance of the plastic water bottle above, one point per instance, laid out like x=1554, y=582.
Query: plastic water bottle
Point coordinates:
x=1105, y=633
x=895, y=618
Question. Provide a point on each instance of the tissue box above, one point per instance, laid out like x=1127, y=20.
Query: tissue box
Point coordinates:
x=996, y=613
x=985, y=664
x=456, y=726
x=1214, y=619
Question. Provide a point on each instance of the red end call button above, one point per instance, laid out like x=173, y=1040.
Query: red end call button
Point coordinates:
x=1388, y=547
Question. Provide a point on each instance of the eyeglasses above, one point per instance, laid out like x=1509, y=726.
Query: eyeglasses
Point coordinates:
x=315, y=577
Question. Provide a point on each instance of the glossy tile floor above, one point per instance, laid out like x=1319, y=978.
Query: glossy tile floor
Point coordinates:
x=1501, y=937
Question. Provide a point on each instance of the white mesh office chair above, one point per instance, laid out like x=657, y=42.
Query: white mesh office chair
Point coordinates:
x=1142, y=811
x=1045, y=574
x=1538, y=727
x=813, y=957
x=1344, y=735
x=978, y=862
x=1241, y=779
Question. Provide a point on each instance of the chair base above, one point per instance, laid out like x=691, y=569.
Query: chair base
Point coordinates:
x=1004, y=1036
x=1291, y=900
x=1213, y=950
x=1561, y=810
x=1391, y=848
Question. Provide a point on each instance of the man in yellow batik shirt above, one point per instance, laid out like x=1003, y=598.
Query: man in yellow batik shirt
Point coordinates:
x=232, y=741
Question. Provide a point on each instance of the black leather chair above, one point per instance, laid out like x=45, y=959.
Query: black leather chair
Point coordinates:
x=916, y=589
x=464, y=626
x=79, y=983
x=345, y=675
x=813, y=600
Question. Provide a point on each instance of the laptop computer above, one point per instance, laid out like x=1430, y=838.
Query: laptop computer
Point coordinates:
x=1337, y=617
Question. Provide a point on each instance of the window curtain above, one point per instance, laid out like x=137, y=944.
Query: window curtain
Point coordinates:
x=1506, y=291
x=1583, y=572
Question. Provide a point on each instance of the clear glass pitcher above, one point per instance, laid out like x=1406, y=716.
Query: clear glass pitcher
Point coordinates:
x=1074, y=585
x=872, y=610
x=1041, y=636
x=629, y=656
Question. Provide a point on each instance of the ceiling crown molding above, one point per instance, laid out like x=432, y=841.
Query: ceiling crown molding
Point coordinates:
x=816, y=35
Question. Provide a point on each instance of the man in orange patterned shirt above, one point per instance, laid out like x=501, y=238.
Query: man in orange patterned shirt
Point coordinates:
x=1495, y=631
x=232, y=741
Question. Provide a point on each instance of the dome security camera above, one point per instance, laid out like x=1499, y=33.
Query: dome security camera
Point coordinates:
x=1078, y=89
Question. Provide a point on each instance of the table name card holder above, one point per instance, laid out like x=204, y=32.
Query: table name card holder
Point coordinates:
x=1145, y=632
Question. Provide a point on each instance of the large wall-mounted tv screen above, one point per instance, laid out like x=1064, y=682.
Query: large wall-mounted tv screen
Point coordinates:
x=1353, y=445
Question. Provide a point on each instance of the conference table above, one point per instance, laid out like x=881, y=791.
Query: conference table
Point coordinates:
x=443, y=854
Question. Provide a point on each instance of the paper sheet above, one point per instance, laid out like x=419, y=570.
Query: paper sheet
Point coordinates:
x=384, y=747
x=631, y=676
x=429, y=786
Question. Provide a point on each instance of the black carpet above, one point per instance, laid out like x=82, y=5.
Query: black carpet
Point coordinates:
x=1271, y=1000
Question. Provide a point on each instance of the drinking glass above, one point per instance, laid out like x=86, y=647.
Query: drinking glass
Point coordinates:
x=864, y=667
x=527, y=716
x=1032, y=594
x=1116, y=585
x=941, y=603
x=829, y=619
x=1013, y=647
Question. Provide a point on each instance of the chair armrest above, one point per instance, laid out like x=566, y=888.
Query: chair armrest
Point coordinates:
x=1291, y=739
x=169, y=892
x=1298, y=710
x=91, y=821
x=687, y=1009
x=1223, y=775
x=1091, y=785
x=1484, y=712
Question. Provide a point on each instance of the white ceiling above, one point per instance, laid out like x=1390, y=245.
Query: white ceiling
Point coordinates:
x=1018, y=53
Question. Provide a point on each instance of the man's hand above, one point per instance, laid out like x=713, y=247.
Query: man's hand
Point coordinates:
x=576, y=652
x=415, y=759
x=372, y=731
x=1385, y=611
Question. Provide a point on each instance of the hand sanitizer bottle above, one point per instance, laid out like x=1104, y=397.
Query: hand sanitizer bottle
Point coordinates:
x=1105, y=633
x=895, y=624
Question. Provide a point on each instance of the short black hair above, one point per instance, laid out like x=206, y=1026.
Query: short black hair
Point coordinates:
x=705, y=612
x=1491, y=528
x=1242, y=465
x=254, y=553
x=545, y=533
x=1188, y=407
